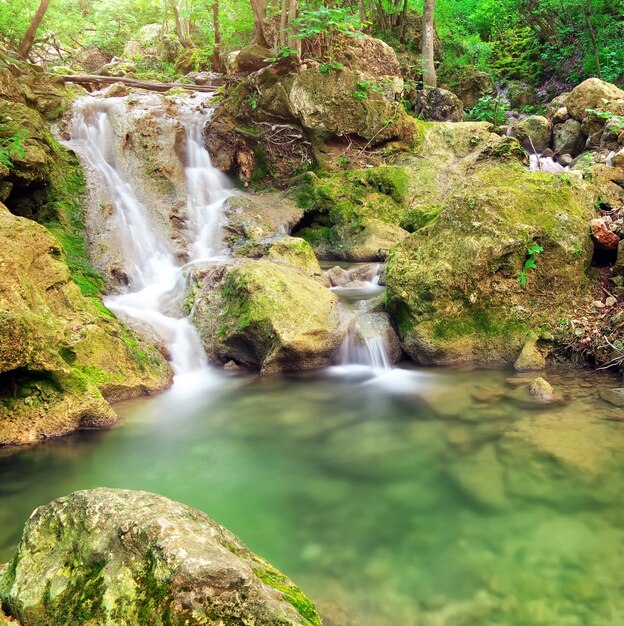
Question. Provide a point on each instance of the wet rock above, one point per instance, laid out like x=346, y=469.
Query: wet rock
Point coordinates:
x=533, y=133
x=486, y=395
x=111, y=555
x=437, y=105
x=613, y=396
x=530, y=358
x=267, y=316
x=591, y=94
x=567, y=138
x=371, y=325
x=565, y=160
x=117, y=90
x=542, y=390
x=479, y=477
x=602, y=234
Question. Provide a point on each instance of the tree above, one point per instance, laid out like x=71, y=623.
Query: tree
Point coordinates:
x=259, y=13
x=27, y=43
x=428, y=34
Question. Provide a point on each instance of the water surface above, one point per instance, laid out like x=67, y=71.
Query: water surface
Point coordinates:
x=419, y=498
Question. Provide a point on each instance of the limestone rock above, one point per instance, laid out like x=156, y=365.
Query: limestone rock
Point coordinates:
x=117, y=90
x=475, y=86
x=533, y=133
x=252, y=58
x=530, y=358
x=367, y=54
x=437, y=105
x=567, y=138
x=542, y=390
x=604, y=237
x=591, y=94
x=116, y=556
x=58, y=351
x=613, y=396
x=267, y=316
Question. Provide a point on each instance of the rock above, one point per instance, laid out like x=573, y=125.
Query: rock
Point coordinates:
x=366, y=54
x=59, y=352
x=92, y=59
x=338, y=277
x=542, y=390
x=530, y=358
x=603, y=236
x=565, y=160
x=618, y=159
x=252, y=58
x=206, y=78
x=118, y=67
x=474, y=86
x=521, y=94
x=533, y=133
x=325, y=104
x=548, y=153
x=618, y=266
x=378, y=324
x=567, y=138
x=556, y=110
x=591, y=94
x=267, y=316
x=117, y=90
x=613, y=396
x=117, y=556
x=453, y=291
x=610, y=301
x=437, y=105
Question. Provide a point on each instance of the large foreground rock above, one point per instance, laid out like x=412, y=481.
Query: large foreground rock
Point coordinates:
x=269, y=316
x=111, y=556
x=593, y=94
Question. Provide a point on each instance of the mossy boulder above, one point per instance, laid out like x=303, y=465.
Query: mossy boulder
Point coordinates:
x=111, y=556
x=533, y=133
x=61, y=353
x=453, y=289
x=473, y=86
x=354, y=216
x=267, y=316
x=593, y=93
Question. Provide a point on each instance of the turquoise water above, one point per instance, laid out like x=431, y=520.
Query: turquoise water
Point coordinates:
x=420, y=498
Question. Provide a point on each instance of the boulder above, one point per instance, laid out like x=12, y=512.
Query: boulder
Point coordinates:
x=61, y=353
x=474, y=86
x=592, y=93
x=437, y=105
x=366, y=54
x=567, y=138
x=453, y=290
x=267, y=316
x=251, y=58
x=92, y=59
x=542, y=390
x=530, y=358
x=533, y=133
x=375, y=325
x=118, y=67
x=346, y=103
x=111, y=556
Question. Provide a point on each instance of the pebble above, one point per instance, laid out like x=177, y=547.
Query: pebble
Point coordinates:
x=598, y=304
x=610, y=301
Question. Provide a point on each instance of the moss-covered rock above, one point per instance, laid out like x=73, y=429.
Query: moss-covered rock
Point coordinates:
x=267, y=316
x=533, y=133
x=60, y=352
x=110, y=556
x=453, y=290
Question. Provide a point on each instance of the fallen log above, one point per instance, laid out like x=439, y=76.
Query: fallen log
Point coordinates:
x=91, y=80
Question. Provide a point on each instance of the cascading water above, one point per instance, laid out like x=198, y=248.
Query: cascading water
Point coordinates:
x=364, y=346
x=155, y=276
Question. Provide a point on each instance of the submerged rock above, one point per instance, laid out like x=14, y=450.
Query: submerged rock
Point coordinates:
x=116, y=556
x=613, y=396
x=264, y=315
x=542, y=390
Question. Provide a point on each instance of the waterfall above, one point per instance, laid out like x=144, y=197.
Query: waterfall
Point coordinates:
x=155, y=275
x=365, y=345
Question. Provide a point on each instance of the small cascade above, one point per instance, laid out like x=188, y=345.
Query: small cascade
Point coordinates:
x=156, y=279
x=365, y=345
x=548, y=165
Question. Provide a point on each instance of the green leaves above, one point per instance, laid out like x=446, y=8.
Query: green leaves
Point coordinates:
x=489, y=109
x=529, y=264
x=11, y=147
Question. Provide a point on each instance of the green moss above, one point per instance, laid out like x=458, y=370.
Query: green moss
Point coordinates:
x=292, y=594
x=420, y=217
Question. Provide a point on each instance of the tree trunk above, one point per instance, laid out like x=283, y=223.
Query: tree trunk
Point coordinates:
x=592, y=34
x=259, y=12
x=430, y=80
x=29, y=37
x=182, y=29
x=215, y=22
x=283, y=23
x=403, y=23
x=294, y=43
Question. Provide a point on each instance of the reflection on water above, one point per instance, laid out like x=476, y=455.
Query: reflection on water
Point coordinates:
x=419, y=498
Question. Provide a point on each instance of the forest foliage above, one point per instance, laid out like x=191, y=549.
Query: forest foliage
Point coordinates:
x=529, y=40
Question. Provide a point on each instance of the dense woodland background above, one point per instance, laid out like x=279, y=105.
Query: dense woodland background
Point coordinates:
x=562, y=41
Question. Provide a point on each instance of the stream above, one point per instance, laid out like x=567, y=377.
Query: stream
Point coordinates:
x=393, y=495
